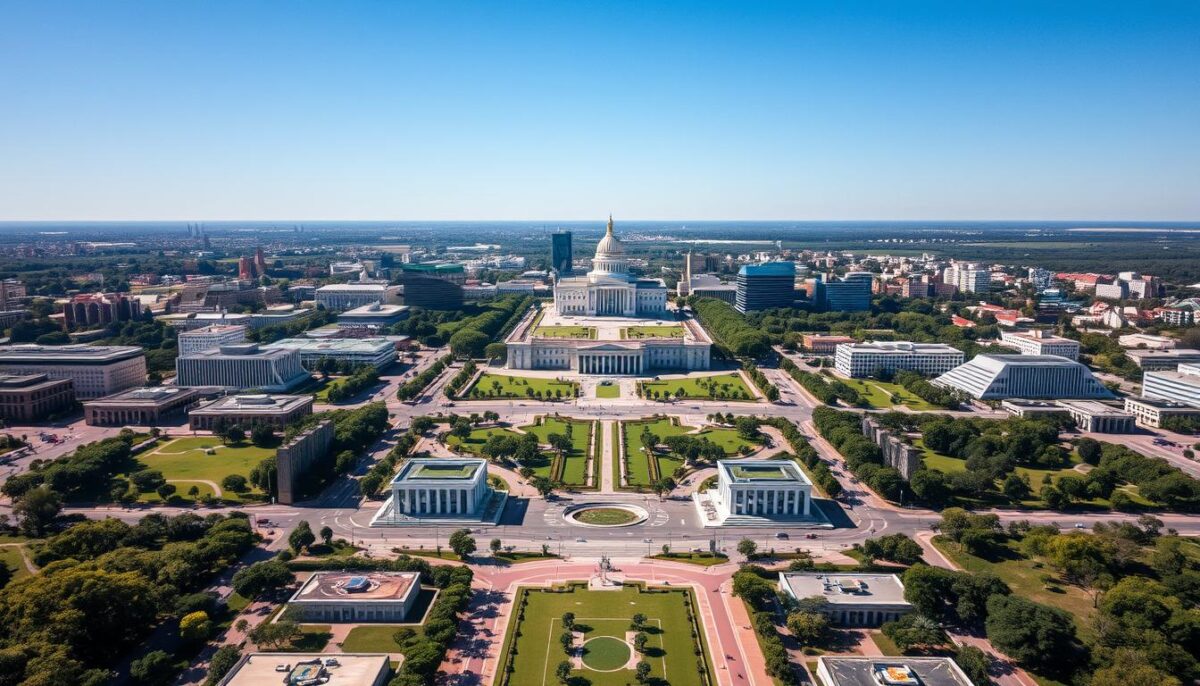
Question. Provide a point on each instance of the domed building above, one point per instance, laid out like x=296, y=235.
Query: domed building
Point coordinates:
x=609, y=289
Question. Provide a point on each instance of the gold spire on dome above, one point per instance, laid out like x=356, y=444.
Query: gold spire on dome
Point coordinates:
x=610, y=223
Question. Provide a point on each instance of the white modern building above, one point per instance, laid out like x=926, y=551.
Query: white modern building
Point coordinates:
x=1094, y=416
x=1153, y=411
x=209, y=337
x=850, y=598
x=1041, y=342
x=373, y=316
x=863, y=359
x=998, y=377
x=347, y=296
x=337, y=597
x=609, y=289
x=377, y=352
x=968, y=278
x=95, y=371
x=755, y=492
x=1163, y=360
x=1147, y=341
x=241, y=366
x=441, y=487
x=1181, y=385
x=310, y=669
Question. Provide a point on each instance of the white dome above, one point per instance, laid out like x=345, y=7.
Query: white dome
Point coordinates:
x=609, y=245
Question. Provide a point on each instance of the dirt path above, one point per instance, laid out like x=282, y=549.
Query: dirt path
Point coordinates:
x=211, y=484
x=29, y=566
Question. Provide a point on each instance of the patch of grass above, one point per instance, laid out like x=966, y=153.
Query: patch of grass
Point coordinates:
x=608, y=390
x=565, y=331
x=374, y=638
x=664, y=331
x=535, y=651
x=879, y=394
x=185, y=462
x=701, y=559
x=886, y=645
x=445, y=554
x=639, y=466
x=504, y=386
x=719, y=387
x=313, y=639
x=1026, y=578
x=606, y=516
x=574, y=470
x=10, y=556
x=517, y=557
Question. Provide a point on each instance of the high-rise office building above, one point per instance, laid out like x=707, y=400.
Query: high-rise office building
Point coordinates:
x=767, y=285
x=560, y=252
x=851, y=294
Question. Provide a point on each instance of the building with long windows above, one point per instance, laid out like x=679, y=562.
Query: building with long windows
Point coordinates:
x=242, y=366
x=765, y=286
x=377, y=352
x=33, y=397
x=1181, y=385
x=609, y=289
x=209, y=337
x=999, y=377
x=850, y=599
x=1041, y=342
x=560, y=253
x=247, y=410
x=432, y=286
x=347, y=296
x=1163, y=360
x=146, y=406
x=94, y=370
x=857, y=360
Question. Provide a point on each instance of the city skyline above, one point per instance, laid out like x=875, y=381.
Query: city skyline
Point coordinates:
x=359, y=111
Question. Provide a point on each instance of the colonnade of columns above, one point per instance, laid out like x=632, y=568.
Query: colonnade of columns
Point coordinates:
x=436, y=500
x=602, y=363
x=769, y=501
x=613, y=301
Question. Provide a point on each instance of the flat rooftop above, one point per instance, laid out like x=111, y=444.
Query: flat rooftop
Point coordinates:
x=375, y=310
x=1094, y=408
x=611, y=329
x=333, y=346
x=146, y=395
x=900, y=348
x=252, y=403
x=891, y=671
x=357, y=586
x=1185, y=354
x=848, y=588
x=67, y=354
x=263, y=669
x=438, y=469
x=353, y=287
x=238, y=350
x=761, y=471
x=212, y=329
x=1161, y=404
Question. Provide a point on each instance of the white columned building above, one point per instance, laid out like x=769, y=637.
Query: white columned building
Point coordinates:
x=609, y=289
x=762, y=488
x=437, y=487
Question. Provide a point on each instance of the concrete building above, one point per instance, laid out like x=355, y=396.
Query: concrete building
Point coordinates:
x=560, y=253
x=1041, y=342
x=99, y=309
x=309, y=669
x=905, y=458
x=711, y=286
x=433, y=286
x=765, y=286
x=432, y=487
x=1147, y=341
x=146, y=406
x=1153, y=411
x=209, y=337
x=358, y=597
x=905, y=670
x=347, y=296
x=189, y=321
x=377, y=352
x=857, y=360
x=242, y=366
x=1182, y=385
x=850, y=598
x=822, y=344
x=769, y=489
x=33, y=397
x=373, y=316
x=998, y=377
x=1097, y=417
x=1163, y=360
x=294, y=458
x=276, y=411
x=94, y=370
x=609, y=289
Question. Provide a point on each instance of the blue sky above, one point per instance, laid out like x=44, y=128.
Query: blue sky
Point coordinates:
x=570, y=110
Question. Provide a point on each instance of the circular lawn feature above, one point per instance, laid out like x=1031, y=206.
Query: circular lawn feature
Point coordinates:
x=606, y=654
x=606, y=516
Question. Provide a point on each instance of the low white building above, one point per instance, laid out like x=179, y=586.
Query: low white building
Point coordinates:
x=95, y=371
x=1147, y=341
x=999, y=377
x=241, y=366
x=762, y=488
x=358, y=597
x=1163, y=360
x=1096, y=417
x=1181, y=385
x=377, y=352
x=903, y=670
x=849, y=598
x=309, y=669
x=1041, y=342
x=433, y=487
x=1153, y=411
x=209, y=337
x=857, y=360
x=347, y=296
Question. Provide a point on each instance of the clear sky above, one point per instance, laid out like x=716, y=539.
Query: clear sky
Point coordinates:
x=569, y=110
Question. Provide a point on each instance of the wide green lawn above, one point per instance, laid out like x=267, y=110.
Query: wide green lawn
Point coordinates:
x=719, y=387
x=1024, y=576
x=639, y=468
x=665, y=331
x=879, y=394
x=575, y=463
x=608, y=390
x=565, y=331
x=504, y=386
x=473, y=443
x=185, y=462
x=535, y=649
